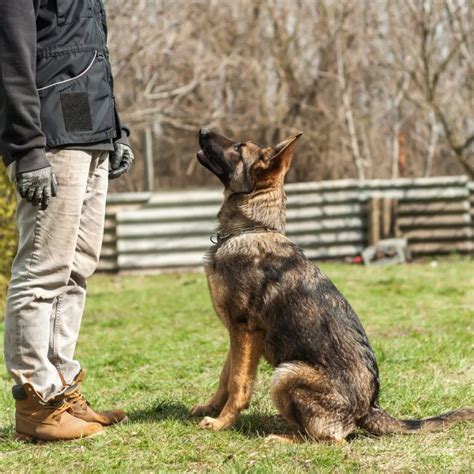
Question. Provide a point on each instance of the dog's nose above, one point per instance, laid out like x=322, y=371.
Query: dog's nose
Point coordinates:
x=204, y=131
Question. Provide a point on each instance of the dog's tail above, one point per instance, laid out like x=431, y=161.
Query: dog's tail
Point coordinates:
x=379, y=422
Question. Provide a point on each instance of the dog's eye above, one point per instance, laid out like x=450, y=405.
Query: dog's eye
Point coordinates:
x=238, y=147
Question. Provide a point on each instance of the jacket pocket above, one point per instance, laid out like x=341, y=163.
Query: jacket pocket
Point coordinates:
x=70, y=79
x=70, y=10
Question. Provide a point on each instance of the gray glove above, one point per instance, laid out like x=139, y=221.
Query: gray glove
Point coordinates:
x=37, y=186
x=121, y=160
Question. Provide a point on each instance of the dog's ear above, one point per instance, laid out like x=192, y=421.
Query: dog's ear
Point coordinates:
x=282, y=154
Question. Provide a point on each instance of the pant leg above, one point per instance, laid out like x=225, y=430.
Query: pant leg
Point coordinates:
x=41, y=271
x=68, y=312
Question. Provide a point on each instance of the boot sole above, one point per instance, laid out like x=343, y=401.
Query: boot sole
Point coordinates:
x=32, y=439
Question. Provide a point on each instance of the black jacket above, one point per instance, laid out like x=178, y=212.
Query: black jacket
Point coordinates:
x=56, y=86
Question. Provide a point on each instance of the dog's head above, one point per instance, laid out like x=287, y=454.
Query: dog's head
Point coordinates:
x=245, y=167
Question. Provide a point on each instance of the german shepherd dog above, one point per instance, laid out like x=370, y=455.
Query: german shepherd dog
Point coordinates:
x=275, y=303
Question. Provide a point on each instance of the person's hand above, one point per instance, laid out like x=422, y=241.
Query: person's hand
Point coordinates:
x=38, y=186
x=121, y=160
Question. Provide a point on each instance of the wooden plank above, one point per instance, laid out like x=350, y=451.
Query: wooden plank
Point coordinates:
x=461, y=180
x=153, y=229
x=168, y=213
x=106, y=264
x=326, y=211
x=181, y=259
x=334, y=252
x=432, y=248
x=408, y=194
x=112, y=209
x=341, y=184
x=462, y=233
x=207, y=196
x=434, y=221
x=311, y=199
x=128, y=198
x=108, y=251
x=109, y=238
x=430, y=207
x=327, y=239
x=157, y=245
x=431, y=194
x=109, y=223
x=118, y=201
x=344, y=223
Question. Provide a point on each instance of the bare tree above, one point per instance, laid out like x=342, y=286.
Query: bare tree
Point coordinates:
x=357, y=77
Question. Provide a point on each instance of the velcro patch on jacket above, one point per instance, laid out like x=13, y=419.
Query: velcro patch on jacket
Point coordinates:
x=76, y=111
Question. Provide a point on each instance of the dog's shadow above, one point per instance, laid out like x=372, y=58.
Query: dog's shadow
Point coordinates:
x=160, y=411
x=251, y=425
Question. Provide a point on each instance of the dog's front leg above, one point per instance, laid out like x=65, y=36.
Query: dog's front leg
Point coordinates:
x=245, y=353
x=218, y=400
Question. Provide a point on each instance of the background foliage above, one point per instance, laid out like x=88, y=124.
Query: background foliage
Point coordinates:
x=380, y=89
x=8, y=234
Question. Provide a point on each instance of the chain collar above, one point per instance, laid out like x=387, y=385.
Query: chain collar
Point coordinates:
x=218, y=238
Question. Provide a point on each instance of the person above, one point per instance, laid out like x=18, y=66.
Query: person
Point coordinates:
x=58, y=128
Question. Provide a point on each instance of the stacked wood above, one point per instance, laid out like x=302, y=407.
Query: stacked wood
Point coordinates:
x=116, y=202
x=329, y=219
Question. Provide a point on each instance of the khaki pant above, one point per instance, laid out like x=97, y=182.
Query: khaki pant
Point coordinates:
x=58, y=251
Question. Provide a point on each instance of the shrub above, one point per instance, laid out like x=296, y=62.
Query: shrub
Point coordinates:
x=8, y=233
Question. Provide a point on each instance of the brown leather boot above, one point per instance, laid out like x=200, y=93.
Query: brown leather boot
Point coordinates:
x=80, y=407
x=37, y=420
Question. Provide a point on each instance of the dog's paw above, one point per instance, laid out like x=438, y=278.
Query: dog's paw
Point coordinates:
x=202, y=410
x=209, y=423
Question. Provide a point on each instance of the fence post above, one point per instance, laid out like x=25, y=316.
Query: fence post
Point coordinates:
x=149, y=174
x=374, y=220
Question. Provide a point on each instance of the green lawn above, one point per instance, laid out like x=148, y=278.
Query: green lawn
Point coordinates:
x=153, y=346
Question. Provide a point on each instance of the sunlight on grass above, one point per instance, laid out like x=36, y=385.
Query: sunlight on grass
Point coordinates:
x=153, y=346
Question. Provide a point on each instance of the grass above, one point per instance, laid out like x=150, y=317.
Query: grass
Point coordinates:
x=153, y=346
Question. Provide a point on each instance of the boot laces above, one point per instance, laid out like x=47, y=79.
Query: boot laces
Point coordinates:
x=57, y=407
x=75, y=397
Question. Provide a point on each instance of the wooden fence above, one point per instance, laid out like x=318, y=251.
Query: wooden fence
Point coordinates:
x=327, y=219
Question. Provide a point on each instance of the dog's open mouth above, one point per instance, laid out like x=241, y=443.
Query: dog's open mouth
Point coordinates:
x=207, y=163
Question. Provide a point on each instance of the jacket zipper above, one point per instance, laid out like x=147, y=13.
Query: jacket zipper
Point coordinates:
x=86, y=70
